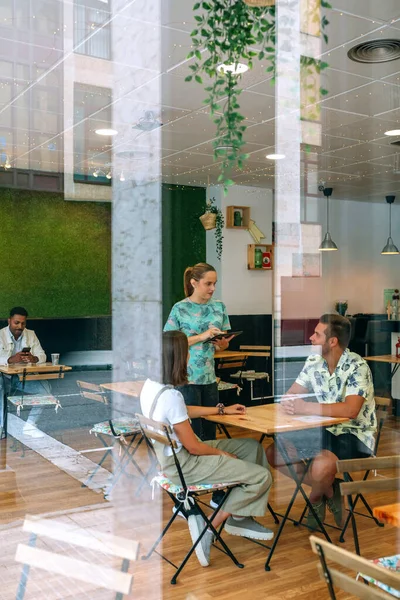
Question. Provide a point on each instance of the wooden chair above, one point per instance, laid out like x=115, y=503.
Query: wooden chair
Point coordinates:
x=381, y=406
x=119, y=581
x=230, y=365
x=185, y=497
x=120, y=429
x=26, y=401
x=257, y=352
x=335, y=578
x=350, y=487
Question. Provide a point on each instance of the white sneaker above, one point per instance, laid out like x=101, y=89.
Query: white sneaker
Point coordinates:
x=180, y=513
x=248, y=527
x=196, y=525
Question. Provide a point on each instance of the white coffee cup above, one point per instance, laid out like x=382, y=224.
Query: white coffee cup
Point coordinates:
x=55, y=359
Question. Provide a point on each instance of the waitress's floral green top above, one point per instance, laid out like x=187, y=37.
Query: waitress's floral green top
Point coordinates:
x=193, y=319
x=352, y=377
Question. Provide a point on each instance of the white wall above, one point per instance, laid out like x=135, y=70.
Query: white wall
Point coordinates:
x=243, y=291
x=357, y=272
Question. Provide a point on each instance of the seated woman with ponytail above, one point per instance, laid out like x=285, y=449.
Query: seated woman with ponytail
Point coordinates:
x=213, y=461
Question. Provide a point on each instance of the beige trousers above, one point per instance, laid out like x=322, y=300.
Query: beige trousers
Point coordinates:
x=250, y=468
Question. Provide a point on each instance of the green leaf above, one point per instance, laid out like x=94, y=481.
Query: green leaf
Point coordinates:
x=324, y=65
x=196, y=6
x=323, y=92
x=198, y=18
x=189, y=78
x=198, y=79
x=197, y=54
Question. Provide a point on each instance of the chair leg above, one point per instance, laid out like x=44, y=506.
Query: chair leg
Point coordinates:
x=178, y=505
x=208, y=524
x=25, y=573
x=273, y=514
x=124, y=569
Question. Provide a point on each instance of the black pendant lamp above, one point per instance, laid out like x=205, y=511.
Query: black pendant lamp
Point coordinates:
x=327, y=244
x=390, y=247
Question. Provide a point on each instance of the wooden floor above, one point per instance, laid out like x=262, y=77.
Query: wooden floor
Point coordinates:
x=42, y=488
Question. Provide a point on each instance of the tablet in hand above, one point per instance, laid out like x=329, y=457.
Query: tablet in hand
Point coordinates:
x=228, y=334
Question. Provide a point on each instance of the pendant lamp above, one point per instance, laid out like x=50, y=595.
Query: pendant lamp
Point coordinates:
x=390, y=248
x=327, y=244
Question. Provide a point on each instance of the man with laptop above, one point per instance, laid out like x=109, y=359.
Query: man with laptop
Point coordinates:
x=19, y=345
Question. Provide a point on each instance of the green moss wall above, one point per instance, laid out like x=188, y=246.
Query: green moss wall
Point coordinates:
x=184, y=238
x=54, y=255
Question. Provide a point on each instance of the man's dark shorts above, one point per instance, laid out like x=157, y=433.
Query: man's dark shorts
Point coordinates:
x=310, y=442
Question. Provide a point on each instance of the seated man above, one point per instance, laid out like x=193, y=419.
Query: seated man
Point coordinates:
x=20, y=345
x=342, y=383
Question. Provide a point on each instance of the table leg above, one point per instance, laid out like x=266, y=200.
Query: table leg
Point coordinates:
x=298, y=481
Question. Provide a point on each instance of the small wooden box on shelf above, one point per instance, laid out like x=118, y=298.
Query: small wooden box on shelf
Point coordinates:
x=265, y=261
x=243, y=216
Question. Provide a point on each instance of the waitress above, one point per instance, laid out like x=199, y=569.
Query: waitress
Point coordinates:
x=200, y=317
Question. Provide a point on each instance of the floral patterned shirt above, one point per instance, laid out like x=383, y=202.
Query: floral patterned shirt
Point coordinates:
x=192, y=319
x=352, y=377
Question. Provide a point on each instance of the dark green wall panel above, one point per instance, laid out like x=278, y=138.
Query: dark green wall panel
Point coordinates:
x=184, y=238
x=54, y=255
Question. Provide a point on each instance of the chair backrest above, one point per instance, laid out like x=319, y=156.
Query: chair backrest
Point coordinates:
x=100, y=576
x=157, y=431
x=92, y=391
x=232, y=362
x=371, y=485
x=160, y=432
x=52, y=372
x=347, y=583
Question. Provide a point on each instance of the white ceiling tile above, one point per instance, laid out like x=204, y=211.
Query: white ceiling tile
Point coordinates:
x=372, y=99
x=370, y=9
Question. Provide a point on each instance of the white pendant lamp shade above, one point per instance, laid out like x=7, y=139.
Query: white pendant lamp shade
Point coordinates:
x=390, y=247
x=327, y=245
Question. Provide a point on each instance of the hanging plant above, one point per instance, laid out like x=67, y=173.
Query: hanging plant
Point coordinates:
x=214, y=219
x=226, y=35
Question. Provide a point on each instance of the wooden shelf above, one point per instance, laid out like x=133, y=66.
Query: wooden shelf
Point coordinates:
x=268, y=257
x=230, y=217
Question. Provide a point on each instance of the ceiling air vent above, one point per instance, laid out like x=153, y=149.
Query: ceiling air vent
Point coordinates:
x=375, y=51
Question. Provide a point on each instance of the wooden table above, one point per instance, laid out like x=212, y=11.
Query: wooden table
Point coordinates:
x=239, y=354
x=270, y=420
x=128, y=388
x=389, y=513
x=19, y=368
x=386, y=358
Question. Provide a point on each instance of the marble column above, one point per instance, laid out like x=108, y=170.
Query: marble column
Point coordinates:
x=136, y=242
x=288, y=139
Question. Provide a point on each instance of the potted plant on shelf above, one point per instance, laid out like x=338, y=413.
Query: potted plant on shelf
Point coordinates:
x=214, y=219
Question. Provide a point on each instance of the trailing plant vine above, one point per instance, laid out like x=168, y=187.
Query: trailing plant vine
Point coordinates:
x=212, y=208
x=229, y=32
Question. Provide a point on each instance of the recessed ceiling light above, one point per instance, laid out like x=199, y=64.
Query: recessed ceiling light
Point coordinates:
x=235, y=68
x=393, y=132
x=106, y=131
x=275, y=156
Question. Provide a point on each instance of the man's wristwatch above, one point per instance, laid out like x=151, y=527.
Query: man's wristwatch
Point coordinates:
x=221, y=408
